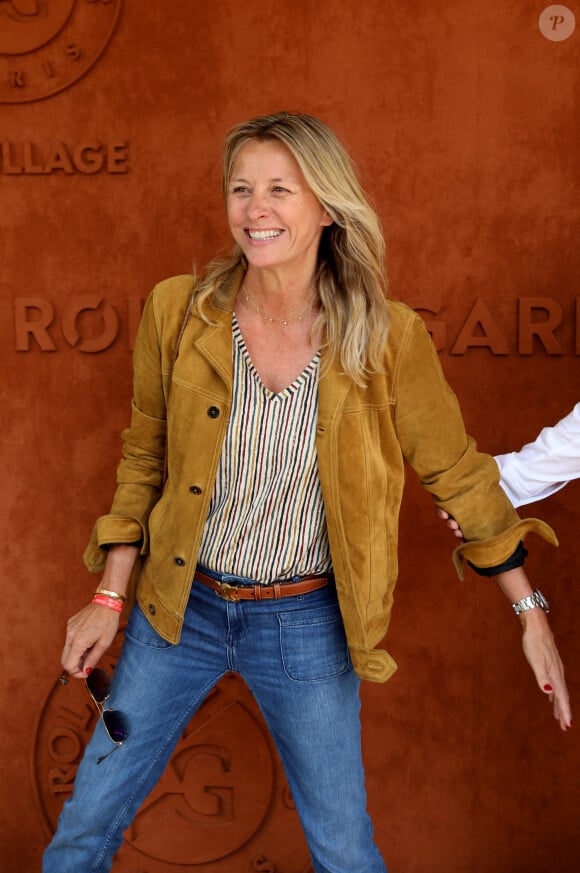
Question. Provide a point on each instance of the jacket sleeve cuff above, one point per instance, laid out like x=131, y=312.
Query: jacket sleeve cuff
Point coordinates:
x=494, y=551
x=374, y=665
x=517, y=559
x=111, y=530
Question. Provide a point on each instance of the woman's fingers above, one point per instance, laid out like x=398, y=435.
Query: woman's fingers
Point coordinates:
x=451, y=523
x=89, y=634
x=543, y=656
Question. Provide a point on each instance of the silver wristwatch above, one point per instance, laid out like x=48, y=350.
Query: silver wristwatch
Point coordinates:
x=533, y=600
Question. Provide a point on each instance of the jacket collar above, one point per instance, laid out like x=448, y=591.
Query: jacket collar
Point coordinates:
x=215, y=342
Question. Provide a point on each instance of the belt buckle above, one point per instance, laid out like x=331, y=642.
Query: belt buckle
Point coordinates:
x=228, y=592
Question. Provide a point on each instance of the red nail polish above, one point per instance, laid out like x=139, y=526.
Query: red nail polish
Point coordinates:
x=548, y=688
x=88, y=670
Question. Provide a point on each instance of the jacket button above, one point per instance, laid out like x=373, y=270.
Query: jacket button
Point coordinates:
x=213, y=412
x=151, y=609
x=179, y=561
x=195, y=489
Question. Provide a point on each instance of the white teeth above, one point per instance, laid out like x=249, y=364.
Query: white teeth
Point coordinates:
x=264, y=234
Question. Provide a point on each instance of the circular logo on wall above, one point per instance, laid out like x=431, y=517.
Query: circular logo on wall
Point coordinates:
x=223, y=799
x=46, y=45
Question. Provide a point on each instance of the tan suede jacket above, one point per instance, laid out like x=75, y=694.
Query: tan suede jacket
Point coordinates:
x=364, y=438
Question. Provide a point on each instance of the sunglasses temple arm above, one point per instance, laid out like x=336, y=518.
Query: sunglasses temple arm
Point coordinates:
x=114, y=749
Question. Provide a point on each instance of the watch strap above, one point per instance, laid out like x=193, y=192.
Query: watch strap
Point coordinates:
x=534, y=600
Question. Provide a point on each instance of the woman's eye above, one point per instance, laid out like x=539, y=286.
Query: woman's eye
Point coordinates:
x=278, y=189
x=240, y=189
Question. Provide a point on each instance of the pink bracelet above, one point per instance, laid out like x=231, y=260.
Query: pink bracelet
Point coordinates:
x=109, y=602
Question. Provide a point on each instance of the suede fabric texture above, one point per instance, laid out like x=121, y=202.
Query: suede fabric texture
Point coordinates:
x=364, y=437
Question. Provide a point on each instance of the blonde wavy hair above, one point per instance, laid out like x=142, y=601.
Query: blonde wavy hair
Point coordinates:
x=351, y=277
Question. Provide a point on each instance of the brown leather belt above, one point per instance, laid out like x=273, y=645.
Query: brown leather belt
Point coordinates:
x=272, y=591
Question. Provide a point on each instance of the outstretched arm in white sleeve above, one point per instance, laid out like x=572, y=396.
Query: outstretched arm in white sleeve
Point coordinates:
x=543, y=467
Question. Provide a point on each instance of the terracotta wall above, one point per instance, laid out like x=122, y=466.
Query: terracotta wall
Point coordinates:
x=463, y=116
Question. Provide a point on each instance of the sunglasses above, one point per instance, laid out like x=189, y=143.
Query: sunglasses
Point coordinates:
x=98, y=684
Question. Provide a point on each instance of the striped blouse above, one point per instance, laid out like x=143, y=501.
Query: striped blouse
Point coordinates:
x=266, y=519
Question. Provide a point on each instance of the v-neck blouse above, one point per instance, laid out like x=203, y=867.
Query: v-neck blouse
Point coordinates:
x=266, y=519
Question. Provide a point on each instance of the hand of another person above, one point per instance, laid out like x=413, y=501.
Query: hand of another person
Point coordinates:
x=89, y=634
x=451, y=523
x=543, y=656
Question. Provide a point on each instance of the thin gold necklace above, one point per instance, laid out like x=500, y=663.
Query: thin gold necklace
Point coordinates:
x=273, y=318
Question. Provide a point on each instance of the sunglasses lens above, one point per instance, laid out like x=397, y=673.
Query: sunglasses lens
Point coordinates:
x=116, y=725
x=98, y=683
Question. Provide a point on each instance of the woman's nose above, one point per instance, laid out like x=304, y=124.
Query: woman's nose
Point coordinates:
x=257, y=205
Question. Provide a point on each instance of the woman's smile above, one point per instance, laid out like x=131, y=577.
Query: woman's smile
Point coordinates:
x=263, y=235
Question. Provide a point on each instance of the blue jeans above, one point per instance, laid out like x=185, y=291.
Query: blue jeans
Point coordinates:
x=292, y=654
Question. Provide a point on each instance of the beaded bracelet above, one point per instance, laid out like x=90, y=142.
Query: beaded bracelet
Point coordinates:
x=109, y=602
x=114, y=594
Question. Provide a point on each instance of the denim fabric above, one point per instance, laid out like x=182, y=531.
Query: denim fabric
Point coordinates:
x=292, y=653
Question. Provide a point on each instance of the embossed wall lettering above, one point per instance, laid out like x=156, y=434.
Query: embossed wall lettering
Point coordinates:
x=539, y=325
x=92, y=324
x=88, y=323
x=87, y=157
x=46, y=45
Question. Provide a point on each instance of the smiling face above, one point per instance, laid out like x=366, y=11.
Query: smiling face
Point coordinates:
x=272, y=213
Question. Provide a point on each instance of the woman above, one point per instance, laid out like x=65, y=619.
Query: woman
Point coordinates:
x=296, y=396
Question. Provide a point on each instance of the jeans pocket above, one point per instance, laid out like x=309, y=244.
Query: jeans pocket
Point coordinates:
x=140, y=631
x=313, y=643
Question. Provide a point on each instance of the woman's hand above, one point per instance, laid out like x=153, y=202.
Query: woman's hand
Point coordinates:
x=89, y=634
x=544, y=659
x=92, y=630
x=451, y=523
x=539, y=645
